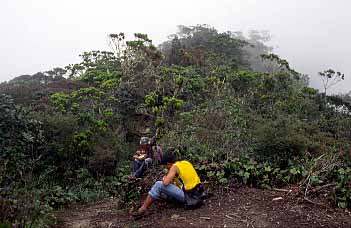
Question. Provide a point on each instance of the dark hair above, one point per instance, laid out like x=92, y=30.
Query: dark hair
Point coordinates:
x=168, y=157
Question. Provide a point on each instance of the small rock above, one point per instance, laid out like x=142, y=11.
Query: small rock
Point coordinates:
x=175, y=216
x=278, y=198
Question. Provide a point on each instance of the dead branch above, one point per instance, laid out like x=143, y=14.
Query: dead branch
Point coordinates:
x=282, y=190
x=315, y=203
x=322, y=187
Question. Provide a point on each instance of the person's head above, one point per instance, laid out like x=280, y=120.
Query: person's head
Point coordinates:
x=142, y=150
x=168, y=159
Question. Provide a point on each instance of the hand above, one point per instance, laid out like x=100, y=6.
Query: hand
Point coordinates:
x=141, y=157
x=170, y=176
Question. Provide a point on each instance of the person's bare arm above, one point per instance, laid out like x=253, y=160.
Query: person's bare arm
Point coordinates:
x=173, y=172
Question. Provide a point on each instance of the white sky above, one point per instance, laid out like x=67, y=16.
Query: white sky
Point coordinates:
x=37, y=35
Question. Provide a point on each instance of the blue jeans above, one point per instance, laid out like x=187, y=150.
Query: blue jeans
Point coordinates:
x=140, y=166
x=170, y=190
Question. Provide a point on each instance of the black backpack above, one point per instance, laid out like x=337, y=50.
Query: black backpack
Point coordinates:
x=195, y=196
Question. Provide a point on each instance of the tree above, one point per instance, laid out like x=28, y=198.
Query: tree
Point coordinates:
x=277, y=64
x=21, y=141
x=103, y=62
x=56, y=74
x=175, y=55
x=330, y=78
x=205, y=47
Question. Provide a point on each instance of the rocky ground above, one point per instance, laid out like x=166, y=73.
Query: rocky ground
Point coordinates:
x=241, y=207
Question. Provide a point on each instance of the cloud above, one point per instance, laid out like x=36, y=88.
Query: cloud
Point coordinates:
x=38, y=34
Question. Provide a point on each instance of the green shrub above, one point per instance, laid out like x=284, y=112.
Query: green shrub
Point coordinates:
x=342, y=192
x=279, y=140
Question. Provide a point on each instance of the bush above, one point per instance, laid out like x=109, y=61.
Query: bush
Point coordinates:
x=342, y=193
x=279, y=140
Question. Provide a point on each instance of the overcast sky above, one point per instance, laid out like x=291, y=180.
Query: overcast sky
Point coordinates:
x=37, y=35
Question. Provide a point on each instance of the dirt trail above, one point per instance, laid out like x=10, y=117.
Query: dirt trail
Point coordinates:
x=243, y=207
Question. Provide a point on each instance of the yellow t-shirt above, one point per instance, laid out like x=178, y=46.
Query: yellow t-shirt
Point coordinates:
x=187, y=175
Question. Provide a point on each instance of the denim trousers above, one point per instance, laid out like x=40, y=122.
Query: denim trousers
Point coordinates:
x=170, y=190
x=140, y=166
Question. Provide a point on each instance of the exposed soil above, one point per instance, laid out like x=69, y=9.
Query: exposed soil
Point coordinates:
x=243, y=207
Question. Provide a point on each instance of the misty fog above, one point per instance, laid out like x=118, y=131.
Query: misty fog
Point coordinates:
x=38, y=35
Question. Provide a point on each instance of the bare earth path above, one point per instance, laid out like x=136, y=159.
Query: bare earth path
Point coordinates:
x=243, y=207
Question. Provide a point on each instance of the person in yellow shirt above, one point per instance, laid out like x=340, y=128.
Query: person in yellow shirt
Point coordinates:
x=182, y=183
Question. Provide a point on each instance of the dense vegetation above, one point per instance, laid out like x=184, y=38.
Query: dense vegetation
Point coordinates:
x=222, y=100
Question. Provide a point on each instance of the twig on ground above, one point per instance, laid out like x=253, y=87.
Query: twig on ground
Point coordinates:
x=230, y=216
x=315, y=203
x=322, y=187
x=206, y=218
x=282, y=190
x=308, y=185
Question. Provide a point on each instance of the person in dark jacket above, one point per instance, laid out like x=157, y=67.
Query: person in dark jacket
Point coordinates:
x=143, y=158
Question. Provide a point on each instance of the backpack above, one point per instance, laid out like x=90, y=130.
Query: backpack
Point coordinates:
x=194, y=197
